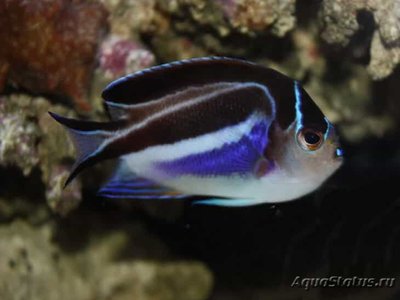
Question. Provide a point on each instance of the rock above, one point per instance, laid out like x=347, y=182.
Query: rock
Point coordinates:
x=29, y=139
x=383, y=59
x=129, y=18
x=49, y=47
x=149, y=280
x=341, y=24
x=245, y=16
x=119, y=56
x=258, y=15
x=37, y=268
x=19, y=134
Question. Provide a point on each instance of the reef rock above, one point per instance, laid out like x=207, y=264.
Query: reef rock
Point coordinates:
x=256, y=15
x=341, y=24
x=129, y=18
x=245, y=16
x=49, y=46
x=29, y=139
x=119, y=56
x=38, y=268
x=18, y=135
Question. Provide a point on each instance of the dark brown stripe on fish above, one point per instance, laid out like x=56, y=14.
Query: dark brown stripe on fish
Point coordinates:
x=311, y=115
x=138, y=112
x=226, y=108
x=156, y=82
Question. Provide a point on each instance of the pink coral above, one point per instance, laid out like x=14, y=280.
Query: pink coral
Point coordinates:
x=120, y=56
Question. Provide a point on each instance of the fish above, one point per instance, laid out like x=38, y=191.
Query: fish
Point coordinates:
x=225, y=130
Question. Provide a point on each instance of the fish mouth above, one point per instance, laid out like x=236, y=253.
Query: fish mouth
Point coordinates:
x=338, y=154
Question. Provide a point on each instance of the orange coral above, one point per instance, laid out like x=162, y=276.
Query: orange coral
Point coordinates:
x=49, y=46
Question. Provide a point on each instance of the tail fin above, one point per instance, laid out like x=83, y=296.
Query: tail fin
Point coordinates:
x=88, y=138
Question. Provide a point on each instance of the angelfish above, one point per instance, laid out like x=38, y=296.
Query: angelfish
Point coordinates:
x=228, y=130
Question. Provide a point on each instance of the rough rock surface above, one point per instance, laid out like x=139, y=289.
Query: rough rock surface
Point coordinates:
x=37, y=268
x=129, y=18
x=45, y=52
x=341, y=23
x=245, y=16
x=117, y=57
x=29, y=140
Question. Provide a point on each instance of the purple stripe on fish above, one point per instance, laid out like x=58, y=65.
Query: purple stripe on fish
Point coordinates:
x=132, y=184
x=132, y=191
x=232, y=158
x=141, y=197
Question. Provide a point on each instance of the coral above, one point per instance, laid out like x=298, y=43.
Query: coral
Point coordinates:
x=246, y=16
x=121, y=52
x=56, y=153
x=129, y=18
x=200, y=28
x=119, y=56
x=257, y=15
x=59, y=199
x=18, y=136
x=384, y=58
x=171, y=47
x=49, y=47
x=32, y=262
x=355, y=118
x=203, y=13
x=29, y=139
x=340, y=18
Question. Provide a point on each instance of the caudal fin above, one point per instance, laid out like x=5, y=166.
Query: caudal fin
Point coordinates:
x=88, y=138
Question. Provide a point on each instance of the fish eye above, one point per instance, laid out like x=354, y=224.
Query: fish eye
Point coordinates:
x=309, y=139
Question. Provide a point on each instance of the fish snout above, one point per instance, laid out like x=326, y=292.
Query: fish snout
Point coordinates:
x=338, y=155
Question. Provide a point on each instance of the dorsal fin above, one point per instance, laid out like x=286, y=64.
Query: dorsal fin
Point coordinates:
x=116, y=111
